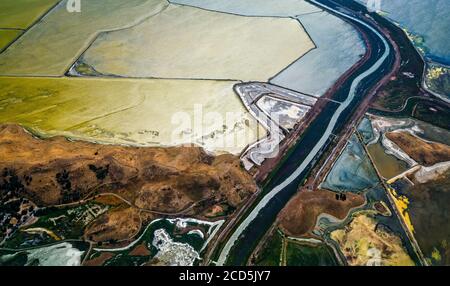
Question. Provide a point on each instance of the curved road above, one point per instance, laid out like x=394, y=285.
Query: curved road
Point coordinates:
x=288, y=177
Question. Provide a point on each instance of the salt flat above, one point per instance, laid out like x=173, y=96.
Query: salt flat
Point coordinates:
x=186, y=42
x=135, y=112
x=20, y=14
x=51, y=46
x=7, y=36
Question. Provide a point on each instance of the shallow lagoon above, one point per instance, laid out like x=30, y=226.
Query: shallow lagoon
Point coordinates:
x=336, y=41
x=279, y=8
x=353, y=171
x=365, y=129
x=338, y=47
x=427, y=21
x=388, y=165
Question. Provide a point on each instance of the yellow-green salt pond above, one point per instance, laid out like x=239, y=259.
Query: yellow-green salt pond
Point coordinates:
x=20, y=14
x=135, y=112
x=388, y=165
x=51, y=46
x=7, y=36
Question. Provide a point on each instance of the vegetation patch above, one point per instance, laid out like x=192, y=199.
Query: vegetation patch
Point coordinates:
x=364, y=242
x=300, y=215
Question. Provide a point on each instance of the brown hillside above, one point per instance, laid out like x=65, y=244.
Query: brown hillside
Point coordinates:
x=424, y=153
x=299, y=216
x=57, y=171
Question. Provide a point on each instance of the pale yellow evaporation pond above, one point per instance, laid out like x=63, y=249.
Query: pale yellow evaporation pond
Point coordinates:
x=187, y=42
x=134, y=112
x=51, y=46
x=144, y=38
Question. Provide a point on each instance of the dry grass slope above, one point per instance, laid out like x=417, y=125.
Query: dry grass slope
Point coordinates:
x=57, y=171
x=299, y=216
x=425, y=153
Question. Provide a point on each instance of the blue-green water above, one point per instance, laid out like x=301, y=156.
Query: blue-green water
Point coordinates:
x=353, y=171
x=273, y=8
x=428, y=20
x=365, y=129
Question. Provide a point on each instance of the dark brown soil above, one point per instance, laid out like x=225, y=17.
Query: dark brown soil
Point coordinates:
x=299, y=216
x=424, y=153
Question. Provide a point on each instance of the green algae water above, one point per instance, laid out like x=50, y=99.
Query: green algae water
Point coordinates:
x=388, y=165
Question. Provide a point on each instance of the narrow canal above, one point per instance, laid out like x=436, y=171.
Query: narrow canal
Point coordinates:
x=293, y=170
